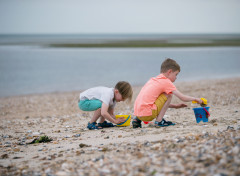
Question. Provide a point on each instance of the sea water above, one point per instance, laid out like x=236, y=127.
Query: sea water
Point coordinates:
x=34, y=69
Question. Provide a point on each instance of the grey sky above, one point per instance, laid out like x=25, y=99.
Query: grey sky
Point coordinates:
x=119, y=16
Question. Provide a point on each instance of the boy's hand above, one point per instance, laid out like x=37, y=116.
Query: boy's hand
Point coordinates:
x=181, y=105
x=199, y=100
x=120, y=120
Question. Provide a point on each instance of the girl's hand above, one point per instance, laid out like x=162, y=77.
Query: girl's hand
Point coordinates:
x=119, y=120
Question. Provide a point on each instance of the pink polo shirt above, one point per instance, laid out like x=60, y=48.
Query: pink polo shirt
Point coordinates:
x=144, y=104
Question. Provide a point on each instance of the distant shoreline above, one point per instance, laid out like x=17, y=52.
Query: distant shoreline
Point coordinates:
x=145, y=44
x=122, y=40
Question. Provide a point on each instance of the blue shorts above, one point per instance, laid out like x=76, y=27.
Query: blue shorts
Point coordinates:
x=89, y=105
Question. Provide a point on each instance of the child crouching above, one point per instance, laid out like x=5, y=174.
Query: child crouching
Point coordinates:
x=155, y=97
x=102, y=100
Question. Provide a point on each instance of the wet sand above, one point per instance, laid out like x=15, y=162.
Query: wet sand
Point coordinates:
x=188, y=148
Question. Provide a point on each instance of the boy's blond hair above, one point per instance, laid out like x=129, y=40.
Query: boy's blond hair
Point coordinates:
x=169, y=64
x=125, y=89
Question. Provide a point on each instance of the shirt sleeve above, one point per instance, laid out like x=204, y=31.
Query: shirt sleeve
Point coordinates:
x=170, y=87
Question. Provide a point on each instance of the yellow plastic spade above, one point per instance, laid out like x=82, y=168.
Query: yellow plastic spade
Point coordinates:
x=204, y=102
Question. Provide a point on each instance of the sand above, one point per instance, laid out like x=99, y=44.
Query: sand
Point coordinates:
x=24, y=118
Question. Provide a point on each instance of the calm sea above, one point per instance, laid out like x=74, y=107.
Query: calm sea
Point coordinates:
x=29, y=69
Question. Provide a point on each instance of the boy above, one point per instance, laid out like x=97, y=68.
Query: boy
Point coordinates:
x=155, y=97
x=102, y=100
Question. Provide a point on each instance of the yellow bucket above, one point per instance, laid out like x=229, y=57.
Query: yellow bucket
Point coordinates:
x=126, y=122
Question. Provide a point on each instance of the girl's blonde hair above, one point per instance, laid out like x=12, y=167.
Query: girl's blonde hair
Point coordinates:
x=125, y=89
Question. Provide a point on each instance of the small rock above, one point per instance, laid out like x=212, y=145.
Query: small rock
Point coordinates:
x=77, y=135
x=35, y=134
x=17, y=157
x=61, y=173
x=16, y=149
x=230, y=128
x=83, y=145
x=236, y=150
x=4, y=156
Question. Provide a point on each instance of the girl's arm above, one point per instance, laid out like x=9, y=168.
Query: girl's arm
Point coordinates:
x=106, y=115
x=111, y=112
x=186, y=97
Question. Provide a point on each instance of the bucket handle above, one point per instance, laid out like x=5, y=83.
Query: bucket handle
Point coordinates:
x=124, y=121
x=206, y=111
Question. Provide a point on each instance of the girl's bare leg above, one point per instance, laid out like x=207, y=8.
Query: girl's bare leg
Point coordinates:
x=102, y=119
x=96, y=115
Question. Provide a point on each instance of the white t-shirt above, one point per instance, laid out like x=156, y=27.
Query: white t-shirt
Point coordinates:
x=104, y=94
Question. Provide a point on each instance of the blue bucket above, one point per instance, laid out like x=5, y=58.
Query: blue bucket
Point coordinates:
x=201, y=114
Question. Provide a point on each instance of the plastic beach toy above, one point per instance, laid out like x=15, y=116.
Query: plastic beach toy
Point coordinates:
x=201, y=114
x=204, y=102
x=126, y=122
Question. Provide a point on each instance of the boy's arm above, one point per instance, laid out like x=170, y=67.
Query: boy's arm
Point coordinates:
x=186, y=98
x=181, y=105
x=106, y=115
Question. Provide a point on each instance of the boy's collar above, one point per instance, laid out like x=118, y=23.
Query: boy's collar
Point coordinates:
x=163, y=76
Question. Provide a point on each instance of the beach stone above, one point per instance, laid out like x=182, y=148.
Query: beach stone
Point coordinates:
x=77, y=135
x=16, y=150
x=83, y=145
x=235, y=150
x=62, y=173
x=4, y=156
x=36, y=134
x=230, y=128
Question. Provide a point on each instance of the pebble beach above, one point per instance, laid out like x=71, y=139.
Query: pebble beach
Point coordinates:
x=188, y=148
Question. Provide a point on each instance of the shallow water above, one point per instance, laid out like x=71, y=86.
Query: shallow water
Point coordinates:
x=32, y=69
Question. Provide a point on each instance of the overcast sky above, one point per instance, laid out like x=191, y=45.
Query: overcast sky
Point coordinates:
x=119, y=16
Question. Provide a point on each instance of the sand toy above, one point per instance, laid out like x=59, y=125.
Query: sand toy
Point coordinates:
x=126, y=122
x=201, y=113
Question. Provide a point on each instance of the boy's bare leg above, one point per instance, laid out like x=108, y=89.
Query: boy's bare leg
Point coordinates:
x=164, y=108
x=96, y=115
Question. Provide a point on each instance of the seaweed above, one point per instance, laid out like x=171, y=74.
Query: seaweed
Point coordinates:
x=41, y=139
